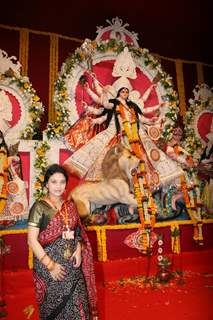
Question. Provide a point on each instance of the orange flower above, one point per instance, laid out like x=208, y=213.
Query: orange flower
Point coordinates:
x=41, y=178
x=37, y=185
x=36, y=98
x=40, y=152
x=26, y=85
x=94, y=44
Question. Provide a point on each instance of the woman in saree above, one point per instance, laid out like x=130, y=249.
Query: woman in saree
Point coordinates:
x=63, y=267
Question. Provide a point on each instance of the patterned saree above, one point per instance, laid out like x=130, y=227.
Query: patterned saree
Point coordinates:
x=73, y=298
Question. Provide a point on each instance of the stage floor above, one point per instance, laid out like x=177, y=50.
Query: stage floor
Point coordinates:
x=121, y=295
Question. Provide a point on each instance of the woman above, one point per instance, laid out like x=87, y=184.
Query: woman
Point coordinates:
x=63, y=267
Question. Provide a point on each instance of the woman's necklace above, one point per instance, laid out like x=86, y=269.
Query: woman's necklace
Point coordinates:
x=67, y=234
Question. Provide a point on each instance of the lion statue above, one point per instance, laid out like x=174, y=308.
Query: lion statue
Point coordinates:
x=115, y=187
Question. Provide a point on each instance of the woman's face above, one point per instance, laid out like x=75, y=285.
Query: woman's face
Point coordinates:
x=56, y=185
x=124, y=93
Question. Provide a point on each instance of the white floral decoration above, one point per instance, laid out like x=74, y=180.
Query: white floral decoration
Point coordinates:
x=202, y=101
x=33, y=108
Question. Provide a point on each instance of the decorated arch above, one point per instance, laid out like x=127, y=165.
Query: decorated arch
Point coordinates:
x=21, y=111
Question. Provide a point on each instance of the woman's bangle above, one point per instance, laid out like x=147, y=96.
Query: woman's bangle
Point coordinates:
x=42, y=258
x=50, y=266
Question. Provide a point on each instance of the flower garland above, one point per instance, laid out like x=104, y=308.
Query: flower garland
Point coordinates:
x=40, y=165
x=175, y=238
x=160, y=243
x=62, y=98
x=139, y=179
x=131, y=133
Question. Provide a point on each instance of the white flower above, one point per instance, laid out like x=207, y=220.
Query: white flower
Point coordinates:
x=160, y=250
x=160, y=258
x=160, y=242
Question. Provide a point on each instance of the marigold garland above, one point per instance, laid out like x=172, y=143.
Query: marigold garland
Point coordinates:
x=175, y=238
x=131, y=132
x=40, y=165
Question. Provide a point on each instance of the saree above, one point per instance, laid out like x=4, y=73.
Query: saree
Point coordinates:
x=73, y=298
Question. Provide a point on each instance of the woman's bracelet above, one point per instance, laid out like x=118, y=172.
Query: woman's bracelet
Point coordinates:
x=42, y=258
x=50, y=266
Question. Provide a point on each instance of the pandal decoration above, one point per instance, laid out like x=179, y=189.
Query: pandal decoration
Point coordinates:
x=142, y=240
x=40, y=164
x=20, y=88
x=200, y=107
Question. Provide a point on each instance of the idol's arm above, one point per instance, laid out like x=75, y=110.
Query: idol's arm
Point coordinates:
x=150, y=109
x=147, y=93
x=95, y=111
x=93, y=95
x=98, y=87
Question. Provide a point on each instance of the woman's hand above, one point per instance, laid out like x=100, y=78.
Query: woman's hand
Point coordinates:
x=76, y=257
x=58, y=272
